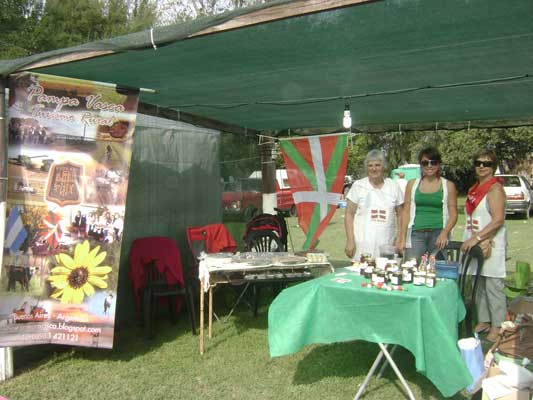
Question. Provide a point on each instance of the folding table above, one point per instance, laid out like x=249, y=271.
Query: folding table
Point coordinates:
x=223, y=268
x=422, y=320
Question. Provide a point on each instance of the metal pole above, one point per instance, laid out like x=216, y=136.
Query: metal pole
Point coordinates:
x=268, y=173
x=6, y=353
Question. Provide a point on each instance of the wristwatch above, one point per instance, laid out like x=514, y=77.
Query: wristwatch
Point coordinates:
x=479, y=238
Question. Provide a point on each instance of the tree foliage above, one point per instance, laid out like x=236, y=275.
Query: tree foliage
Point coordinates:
x=180, y=10
x=513, y=147
x=34, y=26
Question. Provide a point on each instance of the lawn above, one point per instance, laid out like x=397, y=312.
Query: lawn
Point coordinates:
x=236, y=364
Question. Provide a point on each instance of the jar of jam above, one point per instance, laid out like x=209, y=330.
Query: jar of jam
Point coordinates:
x=431, y=280
x=419, y=278
x=396, y=278
x=407, y=274
x=378, y=276
x=369, y=270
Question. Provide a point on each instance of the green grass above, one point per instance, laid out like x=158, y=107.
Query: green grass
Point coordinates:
x=236, y=364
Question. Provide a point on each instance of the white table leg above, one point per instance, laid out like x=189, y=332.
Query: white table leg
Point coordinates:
x=201, y=317
x=393, y=365
x=384, y=366
x=369, y=376
x=210, y=312
x=397, y=371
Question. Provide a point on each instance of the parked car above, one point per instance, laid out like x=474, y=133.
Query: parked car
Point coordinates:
x=409, y=171
x=348, y=181
x=239, y=197
x=284, y=191
x=519, y=194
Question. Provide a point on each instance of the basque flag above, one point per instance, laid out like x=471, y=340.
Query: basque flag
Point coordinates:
x=16, y=234
x=316, y=167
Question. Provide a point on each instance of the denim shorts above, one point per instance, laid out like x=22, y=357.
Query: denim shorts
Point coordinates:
x=422, y=241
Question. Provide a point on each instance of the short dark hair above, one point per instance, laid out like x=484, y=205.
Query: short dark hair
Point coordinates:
x=431, y=153
x=486, y=153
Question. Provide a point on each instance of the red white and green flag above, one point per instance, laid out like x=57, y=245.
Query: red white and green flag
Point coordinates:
x=316, y=167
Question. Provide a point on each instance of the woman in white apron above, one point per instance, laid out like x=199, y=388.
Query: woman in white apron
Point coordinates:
x=372, y=210
x=485, y=217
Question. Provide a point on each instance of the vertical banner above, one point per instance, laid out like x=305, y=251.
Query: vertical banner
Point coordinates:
x=69, y=159
x=315, y=167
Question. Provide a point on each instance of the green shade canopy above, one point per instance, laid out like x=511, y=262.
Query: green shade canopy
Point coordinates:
x=428, y=62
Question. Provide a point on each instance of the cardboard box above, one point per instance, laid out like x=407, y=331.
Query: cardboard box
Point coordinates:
x=515, y=395
x=490, y=387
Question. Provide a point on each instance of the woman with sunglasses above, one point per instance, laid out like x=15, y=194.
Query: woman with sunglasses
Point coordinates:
x=373, y=208
x=430, y=208
x=485, y=217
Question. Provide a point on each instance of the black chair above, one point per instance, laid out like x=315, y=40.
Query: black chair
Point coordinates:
x=156, y=287
x=452, y=252
x=469, y=298
x=262, y=241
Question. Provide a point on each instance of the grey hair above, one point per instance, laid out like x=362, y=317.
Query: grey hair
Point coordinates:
x=375, y=155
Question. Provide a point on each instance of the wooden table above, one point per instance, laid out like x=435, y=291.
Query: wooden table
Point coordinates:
x=222, y=268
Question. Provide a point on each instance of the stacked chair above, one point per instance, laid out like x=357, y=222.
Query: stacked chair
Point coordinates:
x=156, y=274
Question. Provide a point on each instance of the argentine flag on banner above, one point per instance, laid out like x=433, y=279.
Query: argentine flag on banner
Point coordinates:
x=15, y=231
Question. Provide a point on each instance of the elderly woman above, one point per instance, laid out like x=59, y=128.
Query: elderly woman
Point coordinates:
x=373, y=208
x=430, y=209
x=485, y=217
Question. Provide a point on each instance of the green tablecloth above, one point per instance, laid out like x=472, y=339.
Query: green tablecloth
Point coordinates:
x=421, y=319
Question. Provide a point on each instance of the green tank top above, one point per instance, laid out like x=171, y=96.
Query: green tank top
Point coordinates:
x=428, y=214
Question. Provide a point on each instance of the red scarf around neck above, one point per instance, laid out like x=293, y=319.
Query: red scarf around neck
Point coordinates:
x=476, y=194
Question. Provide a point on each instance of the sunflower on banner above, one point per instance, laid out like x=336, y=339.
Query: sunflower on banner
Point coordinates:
x=51, y=231
x=316, y=167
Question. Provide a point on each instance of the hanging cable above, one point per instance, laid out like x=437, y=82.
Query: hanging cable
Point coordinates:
x=297, y=102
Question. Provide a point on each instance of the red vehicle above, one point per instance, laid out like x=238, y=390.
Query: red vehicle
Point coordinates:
x=245, y=195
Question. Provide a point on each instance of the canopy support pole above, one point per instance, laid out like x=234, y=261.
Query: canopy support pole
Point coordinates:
x=6, y=353
x=268, y=175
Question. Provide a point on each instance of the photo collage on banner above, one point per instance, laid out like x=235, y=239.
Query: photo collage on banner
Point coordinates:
x=69, y=155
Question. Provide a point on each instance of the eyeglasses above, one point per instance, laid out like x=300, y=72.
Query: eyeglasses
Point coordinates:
x=426, y=163
x=482, y=163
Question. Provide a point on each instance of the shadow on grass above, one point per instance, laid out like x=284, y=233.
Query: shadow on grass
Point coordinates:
x=129, y=343
x=354, y=360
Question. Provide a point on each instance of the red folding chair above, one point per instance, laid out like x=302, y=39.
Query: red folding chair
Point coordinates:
x=213, y=238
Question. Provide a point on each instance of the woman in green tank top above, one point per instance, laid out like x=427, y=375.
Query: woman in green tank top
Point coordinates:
x=430, y=208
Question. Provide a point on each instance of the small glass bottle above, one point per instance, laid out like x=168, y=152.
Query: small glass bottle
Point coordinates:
x=419, y=278
x=431, y=275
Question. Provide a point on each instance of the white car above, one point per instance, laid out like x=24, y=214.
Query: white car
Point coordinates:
x=519, y=194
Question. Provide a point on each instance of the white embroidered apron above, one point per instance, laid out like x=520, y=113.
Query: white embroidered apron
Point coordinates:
x=375, y=222
x=494, y=266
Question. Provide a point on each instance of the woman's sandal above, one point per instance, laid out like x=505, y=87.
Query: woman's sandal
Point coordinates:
x=482, y=327
x=493, y=334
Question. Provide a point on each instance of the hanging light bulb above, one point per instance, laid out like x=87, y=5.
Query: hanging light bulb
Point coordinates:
x=347, y=118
